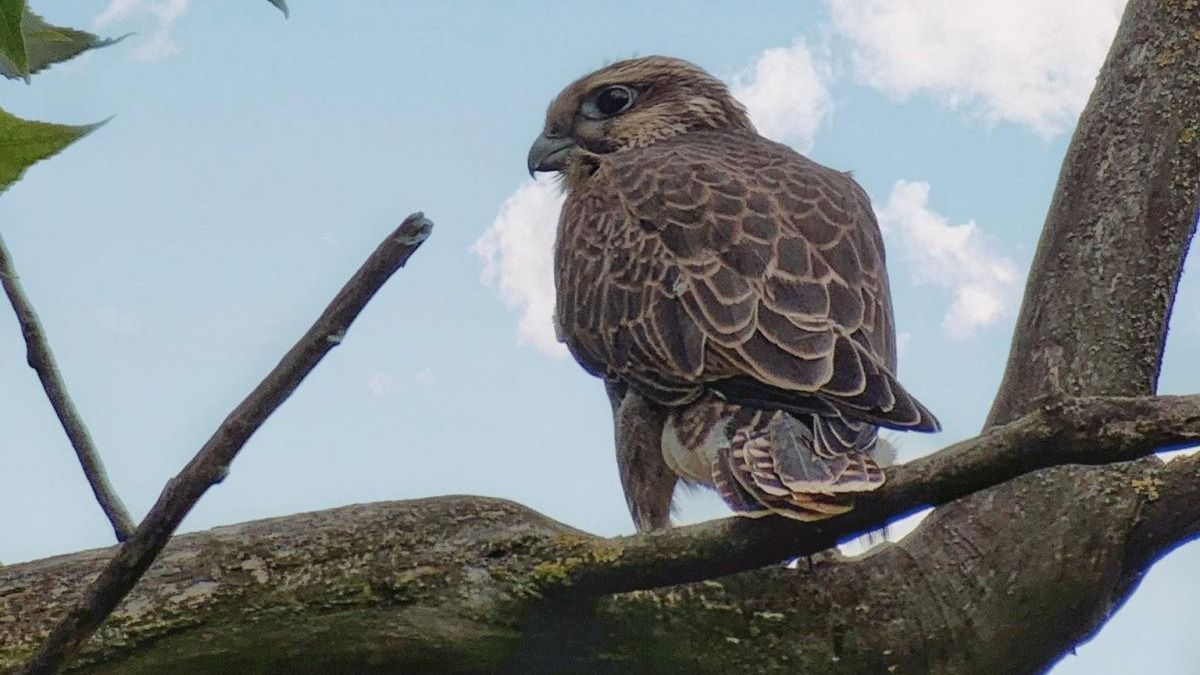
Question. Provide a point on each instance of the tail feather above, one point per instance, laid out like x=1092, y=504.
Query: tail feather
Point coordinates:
x=802, y=466
x=735, y=495
x=777, y=465
x=752, y=500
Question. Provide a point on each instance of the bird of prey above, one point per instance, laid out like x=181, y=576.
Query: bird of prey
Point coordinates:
x=728, y=279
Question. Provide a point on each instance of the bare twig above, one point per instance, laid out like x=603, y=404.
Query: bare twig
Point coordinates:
x=211, y=463
x=41, y=359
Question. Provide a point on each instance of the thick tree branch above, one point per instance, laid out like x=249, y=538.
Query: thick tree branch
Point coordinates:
x=457, y=584
x=41, y=359
x=211, y=463
x=1169, y=520
x=1083, y=431
x=1101, y=287
x=1093, y=323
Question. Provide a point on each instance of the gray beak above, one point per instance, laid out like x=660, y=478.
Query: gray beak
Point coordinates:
x=549, y=153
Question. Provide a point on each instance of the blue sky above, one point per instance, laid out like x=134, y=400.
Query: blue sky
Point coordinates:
x=253, y=162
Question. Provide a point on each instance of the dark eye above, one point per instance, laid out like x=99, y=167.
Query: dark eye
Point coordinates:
x=612, y=100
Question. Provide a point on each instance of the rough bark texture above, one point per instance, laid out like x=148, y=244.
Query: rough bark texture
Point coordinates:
x=1004, y=581
x=1100, y=293
x=1093, y=322
x=460, y=584
x=463, y=584
x=1101, y=286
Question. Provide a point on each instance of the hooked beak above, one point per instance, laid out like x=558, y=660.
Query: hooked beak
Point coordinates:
x=549, y=153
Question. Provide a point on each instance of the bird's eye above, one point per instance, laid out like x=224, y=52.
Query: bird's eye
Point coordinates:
x=611, y=101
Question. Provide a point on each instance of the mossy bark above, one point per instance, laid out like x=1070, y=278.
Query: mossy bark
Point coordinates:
x=473, y=585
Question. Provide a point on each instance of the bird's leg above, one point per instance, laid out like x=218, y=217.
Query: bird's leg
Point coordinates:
x=648, y=482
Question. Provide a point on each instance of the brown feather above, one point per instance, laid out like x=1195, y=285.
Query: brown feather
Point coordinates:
x=717, y=272
x=822, y=295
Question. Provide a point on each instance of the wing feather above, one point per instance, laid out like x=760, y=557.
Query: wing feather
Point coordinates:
x=728, y=262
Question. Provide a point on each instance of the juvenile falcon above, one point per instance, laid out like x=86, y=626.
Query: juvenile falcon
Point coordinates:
x=729, y=279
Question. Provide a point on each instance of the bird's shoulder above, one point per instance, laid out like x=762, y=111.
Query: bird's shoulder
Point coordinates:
x=712, y=179
x=708, y=156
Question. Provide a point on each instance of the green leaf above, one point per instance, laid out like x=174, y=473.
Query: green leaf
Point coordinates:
x=282, y=5
x=23, y=143
x=13, y=54
x=46, y=45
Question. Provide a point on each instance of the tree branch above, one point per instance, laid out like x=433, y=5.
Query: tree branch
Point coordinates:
x=41, y=359
x=458, y=584
x=1084, y=431
x=1169, y=519
x=211, y=463
x=1093, y=323
x=1103, y=280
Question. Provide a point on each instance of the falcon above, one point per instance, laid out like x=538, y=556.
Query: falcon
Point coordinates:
x=732, y=281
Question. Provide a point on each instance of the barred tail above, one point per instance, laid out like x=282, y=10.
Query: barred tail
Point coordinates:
x=804, y=470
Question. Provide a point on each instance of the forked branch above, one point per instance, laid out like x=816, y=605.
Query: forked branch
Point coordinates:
x=211, y=463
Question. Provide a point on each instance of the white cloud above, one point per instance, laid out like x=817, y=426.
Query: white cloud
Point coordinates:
x=380, y=383
x=1032, y=62
x=983, y=284
x=159, y=43
x=117, y=10
x=120, y=322
x=786, y=93
x=517, y=252
x=424, y=377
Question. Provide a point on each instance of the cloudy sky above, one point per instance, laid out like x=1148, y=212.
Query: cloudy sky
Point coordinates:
x=253, y=163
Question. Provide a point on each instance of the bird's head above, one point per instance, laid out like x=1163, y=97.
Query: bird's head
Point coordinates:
x=630, y=104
